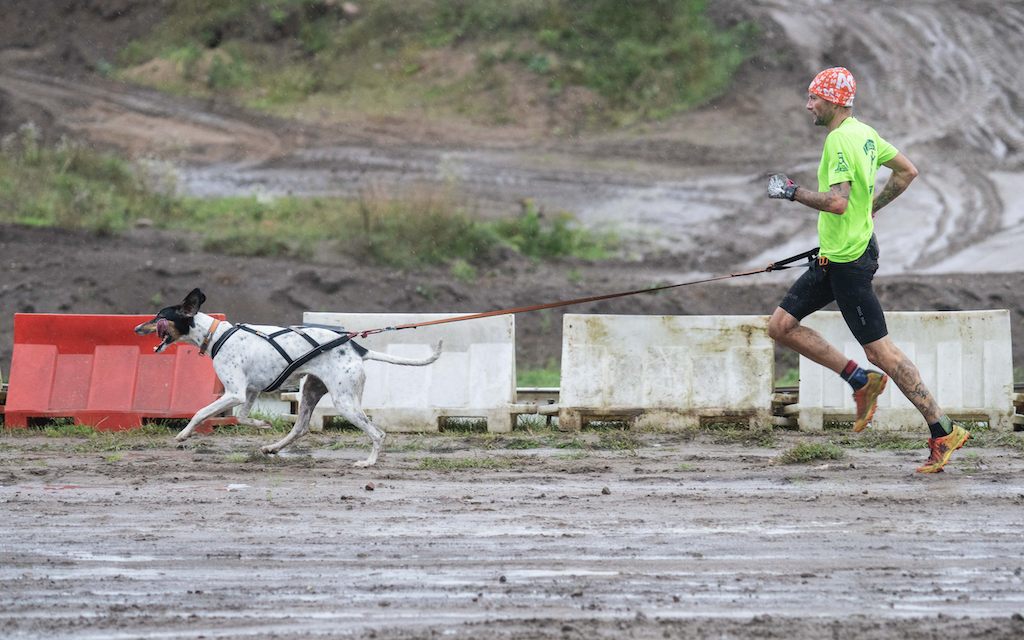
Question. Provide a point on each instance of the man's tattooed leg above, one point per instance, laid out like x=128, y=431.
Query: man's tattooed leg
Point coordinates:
x=908, y=379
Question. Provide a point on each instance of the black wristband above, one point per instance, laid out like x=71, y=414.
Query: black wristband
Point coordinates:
x=791, y=192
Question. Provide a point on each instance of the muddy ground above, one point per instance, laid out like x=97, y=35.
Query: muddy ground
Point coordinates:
x=674, y=539
x=693, y=538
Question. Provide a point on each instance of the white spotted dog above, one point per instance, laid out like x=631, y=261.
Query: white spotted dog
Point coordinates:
x=249, y=359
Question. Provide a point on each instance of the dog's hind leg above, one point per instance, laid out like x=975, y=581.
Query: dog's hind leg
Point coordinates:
x=243, y=413
x=312, y=390
x=355, y=415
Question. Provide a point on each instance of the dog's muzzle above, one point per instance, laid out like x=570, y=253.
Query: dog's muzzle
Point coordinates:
x=163, y=334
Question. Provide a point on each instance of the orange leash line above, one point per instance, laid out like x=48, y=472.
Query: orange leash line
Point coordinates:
x=775, y=266
x=551, y=305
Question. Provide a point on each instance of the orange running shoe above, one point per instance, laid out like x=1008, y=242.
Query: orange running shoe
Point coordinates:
x=944, y=447
x=867, y=399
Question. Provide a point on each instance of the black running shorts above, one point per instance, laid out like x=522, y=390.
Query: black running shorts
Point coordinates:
x=849, y=285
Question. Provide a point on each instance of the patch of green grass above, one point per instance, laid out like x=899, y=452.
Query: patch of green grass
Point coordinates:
x=462, y=463
x=463, y=426
x=238, y=457
x=880, y=440
x=66, y=428
x=87, y=439
x=412, y=445
x=523, y=443
x=1018, y=375
x=114, y=457
x=575, y=443
x=739, y=433
x=615, y=439
x=550, y=375
x=984, y=439
x=533, y=424
x=574, y=456
x=789, y=379
x=804, y=452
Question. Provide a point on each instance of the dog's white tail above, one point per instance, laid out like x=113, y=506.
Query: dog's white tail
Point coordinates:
x=383, y=357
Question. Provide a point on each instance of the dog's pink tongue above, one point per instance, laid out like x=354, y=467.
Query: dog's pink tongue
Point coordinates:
x=161, y=328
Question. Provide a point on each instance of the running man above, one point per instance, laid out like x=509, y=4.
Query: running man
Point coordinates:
x=848, y=260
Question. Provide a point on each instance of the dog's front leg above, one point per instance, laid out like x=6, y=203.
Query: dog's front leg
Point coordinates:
x=220, y=405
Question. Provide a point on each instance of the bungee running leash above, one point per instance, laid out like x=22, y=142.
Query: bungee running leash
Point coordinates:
x=775, y=266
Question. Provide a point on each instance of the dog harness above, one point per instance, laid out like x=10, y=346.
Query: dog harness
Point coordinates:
x=293, y=364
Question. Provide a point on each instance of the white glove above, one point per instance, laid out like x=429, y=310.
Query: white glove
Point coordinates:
x=779, y=186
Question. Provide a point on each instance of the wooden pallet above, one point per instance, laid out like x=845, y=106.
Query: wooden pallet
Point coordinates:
x=1018, y=419
x=785, y=406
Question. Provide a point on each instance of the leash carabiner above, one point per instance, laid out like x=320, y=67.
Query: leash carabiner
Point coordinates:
x=782, y=264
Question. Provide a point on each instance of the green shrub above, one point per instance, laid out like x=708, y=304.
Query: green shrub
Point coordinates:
x=229, y=75
x=564, y=237
x=463, y=271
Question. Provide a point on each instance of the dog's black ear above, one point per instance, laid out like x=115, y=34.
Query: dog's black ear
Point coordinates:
x=190, y=305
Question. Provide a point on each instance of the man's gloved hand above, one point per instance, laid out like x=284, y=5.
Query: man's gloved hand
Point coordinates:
x=779, y=186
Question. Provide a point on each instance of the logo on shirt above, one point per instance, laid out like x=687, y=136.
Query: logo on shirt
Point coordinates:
x=842, y=167
x=869, y=150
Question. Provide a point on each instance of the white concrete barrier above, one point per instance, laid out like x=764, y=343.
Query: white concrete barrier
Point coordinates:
x=475, y=377
x=667, y=371
x=965, y=359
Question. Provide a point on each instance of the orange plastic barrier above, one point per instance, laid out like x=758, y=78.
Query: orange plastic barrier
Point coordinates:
x=94, y=369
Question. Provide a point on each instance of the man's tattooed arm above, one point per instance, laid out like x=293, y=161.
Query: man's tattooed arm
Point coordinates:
x=835, y=200
x=903, y=171
x=893, y=188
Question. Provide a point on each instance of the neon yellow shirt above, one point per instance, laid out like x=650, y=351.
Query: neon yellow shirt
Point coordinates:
x=853, y=153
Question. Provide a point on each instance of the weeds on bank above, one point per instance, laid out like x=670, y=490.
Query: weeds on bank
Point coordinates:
x=70, y=186
x=646, y=58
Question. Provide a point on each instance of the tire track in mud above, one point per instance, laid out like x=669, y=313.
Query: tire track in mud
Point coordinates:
x=141, y=122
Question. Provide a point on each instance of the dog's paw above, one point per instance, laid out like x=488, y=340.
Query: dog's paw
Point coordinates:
x=267, y=450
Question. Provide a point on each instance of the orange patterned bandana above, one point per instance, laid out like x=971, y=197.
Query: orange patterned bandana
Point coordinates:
x=835, y=85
